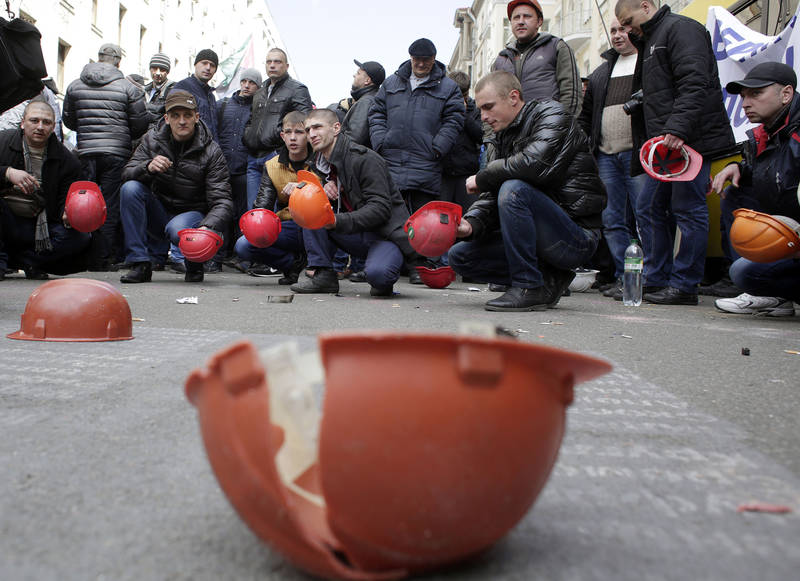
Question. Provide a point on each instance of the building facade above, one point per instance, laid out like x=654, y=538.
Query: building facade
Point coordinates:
x=73, y=30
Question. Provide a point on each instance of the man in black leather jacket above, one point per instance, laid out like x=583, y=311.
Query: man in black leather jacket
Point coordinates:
x=262, y=135
x=539, y=213
x=177, y=178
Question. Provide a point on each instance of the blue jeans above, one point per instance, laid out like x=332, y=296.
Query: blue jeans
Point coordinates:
x=383, y=258
x=619, y=224
x=686, y=202
x=281, y=254
x=532, y=228
x=768, y=279
x=17, y=241
x=147, y=224
x=255, y=167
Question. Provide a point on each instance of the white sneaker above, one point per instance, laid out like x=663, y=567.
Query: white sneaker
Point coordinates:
x=746, y=304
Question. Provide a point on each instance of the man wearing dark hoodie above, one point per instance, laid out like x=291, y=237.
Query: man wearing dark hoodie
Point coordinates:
x=543, y=63
x=366, y=82
x=176, y=179
x=108, y=112
x=205, y=67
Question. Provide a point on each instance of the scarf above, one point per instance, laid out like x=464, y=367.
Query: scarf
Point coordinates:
x=42, y=236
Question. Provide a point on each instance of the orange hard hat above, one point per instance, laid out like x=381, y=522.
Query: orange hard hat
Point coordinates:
x=309, y=204
x=669, y=165
x=436, y=277
x=405, y=478
x=198, y=244
x=85, y=206
x=432, y=229
x=260, y=227
x=75, y=309
x=763, y=238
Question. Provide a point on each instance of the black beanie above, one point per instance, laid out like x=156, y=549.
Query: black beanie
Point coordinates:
x=207, y=55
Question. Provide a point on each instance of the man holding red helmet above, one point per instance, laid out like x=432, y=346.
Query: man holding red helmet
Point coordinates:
x=176, y=179
x=35, y=174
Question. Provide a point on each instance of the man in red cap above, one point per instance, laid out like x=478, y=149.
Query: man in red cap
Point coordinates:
x=543, y=63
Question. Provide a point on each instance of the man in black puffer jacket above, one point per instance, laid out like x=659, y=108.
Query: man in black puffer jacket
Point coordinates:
x=176, y=179
x=108, y=112
x=540, y=211
x=681, y=101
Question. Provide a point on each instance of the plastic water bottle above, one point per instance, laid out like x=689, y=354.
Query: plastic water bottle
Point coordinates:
x=632, y=278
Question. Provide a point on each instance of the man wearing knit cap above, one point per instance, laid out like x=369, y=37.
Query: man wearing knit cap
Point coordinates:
x=543, y=63
x=414, y=121
x=155, y=92
x=205, y=66
x=234, y=113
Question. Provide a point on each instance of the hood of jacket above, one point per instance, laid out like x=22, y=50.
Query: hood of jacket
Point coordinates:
x=99, y=74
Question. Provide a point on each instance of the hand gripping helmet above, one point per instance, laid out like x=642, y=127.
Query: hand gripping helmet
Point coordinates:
x=763, y=238
x=261, y=227
x=669, y=165
x=436, y=277
x=85, y=206
x=75, y=309
x=309, y=203
x=199, y=245
x=432, y=229
x=385, y=483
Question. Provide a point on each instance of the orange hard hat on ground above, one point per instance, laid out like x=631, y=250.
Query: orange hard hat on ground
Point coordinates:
x=260, y=227
x=85, y=206
x=763, y=238
x=403, y=474
x=309, y=204
x=199, y=244
x=75, y=309
x=436, y=277
x=432, y=229
x=669, y=165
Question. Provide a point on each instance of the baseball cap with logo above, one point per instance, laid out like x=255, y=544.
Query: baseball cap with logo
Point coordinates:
x=179, y=98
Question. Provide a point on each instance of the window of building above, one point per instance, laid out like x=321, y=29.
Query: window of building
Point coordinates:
x=142, y=34
x=94, y=12
x=63, y=50
x=122, y=12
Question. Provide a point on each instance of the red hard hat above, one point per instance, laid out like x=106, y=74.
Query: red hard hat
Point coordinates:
x=309, y=204
x=75, y=309
x=763, y=238
x=432, y=229
x=198, y=244
x=85, y=206
x=514, y=3
x=260, y=226
x=436, y=277
x=399, y=480
x=669, y=165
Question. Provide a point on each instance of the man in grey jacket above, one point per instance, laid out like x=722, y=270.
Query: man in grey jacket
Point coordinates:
x=366, y=82
x=108, y=112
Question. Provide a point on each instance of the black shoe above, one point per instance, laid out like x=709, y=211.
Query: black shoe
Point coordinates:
x=380, y=293
x=235, y=264
x=414, y=277
x=176, y=266
x=33, y=273
x=157, y=266
x=2, y=273
x=724, y=288
x=101, y=266
x=671, y=296
x=614, y=291
x=359, y=276
x=556, y=281
x=521, y=299
x=139, y=272
x=498, y=288
x=293, y=274
x=324, y=280
x=212, y=267
x=194, y=271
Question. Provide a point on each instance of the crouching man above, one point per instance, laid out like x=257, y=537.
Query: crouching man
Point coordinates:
x=176, y=179
x=36, y=172
x=370, y=212
x=539, y=213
